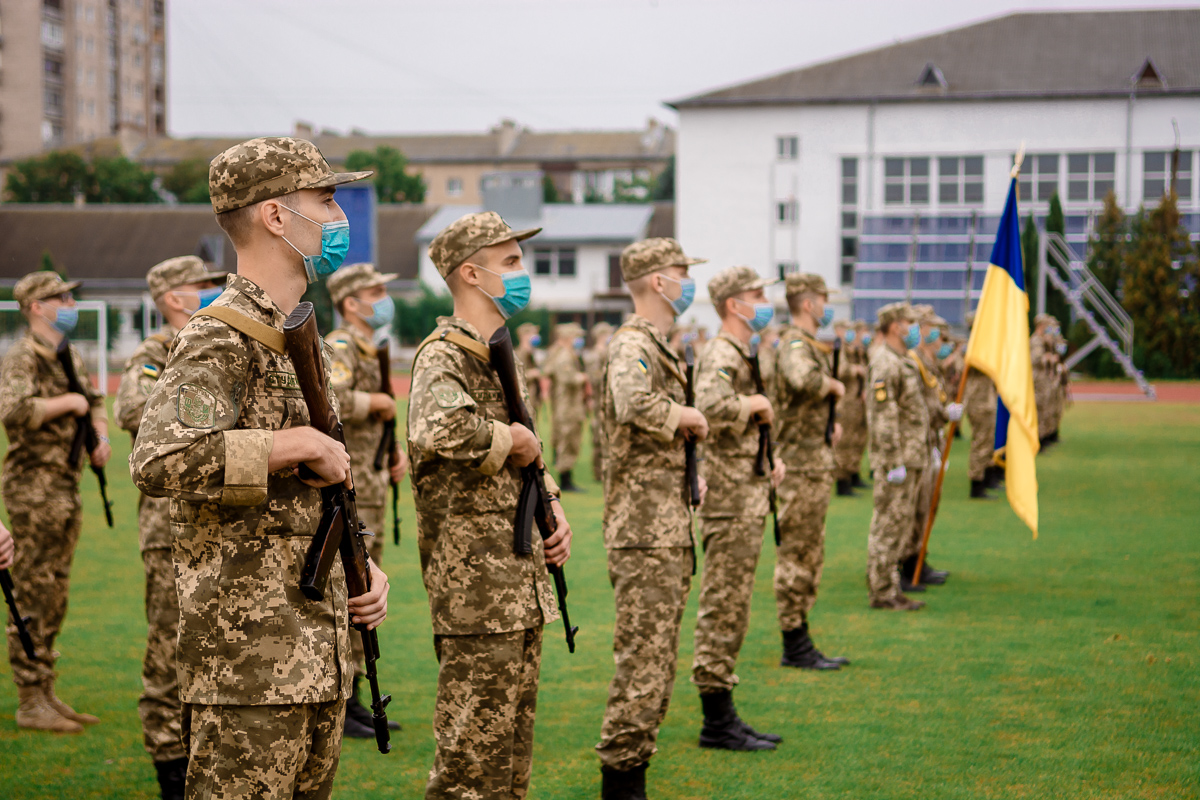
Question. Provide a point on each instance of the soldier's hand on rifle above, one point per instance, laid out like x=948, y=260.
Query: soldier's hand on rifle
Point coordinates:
x=760, y=409
x=693, y=424
x=837, y=434
x=954, y=411
x=397, y=472
x=778, y=473
x=558, y=546
x=70, y=403
x=525, y=447
x=371, y=608
x=100, y=456
x=7, y=548
x=382, y=406
x=833, y=386
x=322, y=454
x=703, y=488
x=897, y=475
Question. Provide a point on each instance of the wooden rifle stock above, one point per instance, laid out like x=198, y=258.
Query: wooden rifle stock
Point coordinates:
x=837, y=353
x=764, y=462
x=22, y=623
x=387, y=444
x=691, y=471
x=936, y=498
x=340, y=531
x=85, y=429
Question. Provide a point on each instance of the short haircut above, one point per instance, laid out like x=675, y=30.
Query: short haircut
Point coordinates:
x=795, y=302
x=238, y=223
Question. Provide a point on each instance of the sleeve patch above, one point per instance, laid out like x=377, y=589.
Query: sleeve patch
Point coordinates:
x=340, y=374
x=880, y=388
x=195, y=407
x=340, y=344
x=795, y=344
x=150, y=371
x=724, y=373
x=448, y=394
x=641, y=363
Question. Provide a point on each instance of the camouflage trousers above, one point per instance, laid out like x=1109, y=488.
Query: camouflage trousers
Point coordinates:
x=921, y=508
x=159, y=704
x=45, y=518
x=483, y=719
x=597, y=450
x=731, y=549
x=650, y=587
x=1044, y=384
x=848, y=454
x=803, y=500
x=891, y=526
x=568, y=437
x=983, y=440
x=262, y=752
x=375, y=518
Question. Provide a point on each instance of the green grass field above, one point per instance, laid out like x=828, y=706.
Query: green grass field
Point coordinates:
x=1065, y=667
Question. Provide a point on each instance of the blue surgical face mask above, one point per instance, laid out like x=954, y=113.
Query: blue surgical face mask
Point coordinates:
x=763, y=314
x=866, y=339
x=913, y=337
x=933, y=336
x=687, y=294
x=945, y=350
x=383, y=311
x=65, y=319
x=335, y=243
x=578, y=343
x=849, y=337
x=535, y=340
x=1061, y=348
x=517, y=289
x=826, y=318
x=204, y=298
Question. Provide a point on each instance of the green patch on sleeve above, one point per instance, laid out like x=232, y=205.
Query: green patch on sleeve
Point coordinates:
x=448, y=394
x=195, y=406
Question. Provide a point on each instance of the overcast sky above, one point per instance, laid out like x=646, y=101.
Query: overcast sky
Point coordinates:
x=392, y=66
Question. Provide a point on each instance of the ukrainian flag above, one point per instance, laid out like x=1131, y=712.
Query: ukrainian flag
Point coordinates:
x=999, y=348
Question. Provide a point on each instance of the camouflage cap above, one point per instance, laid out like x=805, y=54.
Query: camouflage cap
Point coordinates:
x=272, y=166
x=601, y=330
x=40, y=285
x=467, y=235
x=565, y=329
x=927, y=316
x=894, y=312
x=651, y=255
x=1045, y=319
x=806, y=283
x=734, y=280
x=349, y=279
x=528, y=327
x=166, y=275
x=861, y=324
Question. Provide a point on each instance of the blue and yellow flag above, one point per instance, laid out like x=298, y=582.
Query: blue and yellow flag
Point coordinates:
x=999, y=348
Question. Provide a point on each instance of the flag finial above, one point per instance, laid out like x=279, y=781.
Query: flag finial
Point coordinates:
x=1018, y=160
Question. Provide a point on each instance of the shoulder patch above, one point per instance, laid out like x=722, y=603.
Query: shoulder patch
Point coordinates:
x=339, y=373
x=641, y=363
x=724, y=373
x=339, y=343
x=150, y=371
x=795, y=343
x=195, y=406
x=880, y=388
x=448, y=394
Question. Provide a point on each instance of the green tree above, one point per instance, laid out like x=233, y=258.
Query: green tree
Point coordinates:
x=1029, y=254
x=636, y=190
x=318, y=294
x=1057, y=305
x=416, y=319
x=188, y=181
x=52, y=178
x=664, y=185
x=1106, y=251
x=549, y=190
x=392, y=183
x=48, y=263
x=119, y=180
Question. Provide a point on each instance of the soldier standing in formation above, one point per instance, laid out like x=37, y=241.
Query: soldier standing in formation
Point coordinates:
x=898, y=418
x=529, y=339
x=488, y=604
x=804, y=383
x=980, y=401
x=569, y=394
x=264, y=672
x=179, y=287
x=647, y=518
x=359, y=293
x=41, y=488
x=1046, y=348
x=851, y=410
x=595, y=358
x=735, y=508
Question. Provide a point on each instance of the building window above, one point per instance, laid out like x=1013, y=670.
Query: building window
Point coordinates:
x=137, y=60
x=787, y=148
x=849, y=231
x=850, y=181
x=454, y=187
x=1156, y=176
x=787, y=212
x=960, y=180
x=1040, y=171
x=786, y=268
x=566, y=262
x=906, y=180
x=52, y=34
x=1089, y=176
x=558, y=261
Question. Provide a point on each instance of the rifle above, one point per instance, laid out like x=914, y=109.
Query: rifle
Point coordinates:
x=533, y=505
x=764, y=462
x=22, y=623
x=936, y=499
x=340, y=531
x=837, y=352
x=387, y=445
x=85, y=429
x=689, y=444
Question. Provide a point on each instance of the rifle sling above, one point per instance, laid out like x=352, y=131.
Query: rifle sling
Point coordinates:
x=474, y=348
x=266, y=335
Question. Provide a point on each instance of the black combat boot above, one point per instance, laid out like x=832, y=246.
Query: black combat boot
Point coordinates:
x=844, y=488
x=841, y=661
x=567, y=484
x=623, y=785
x=993, y=477
x=171, y=776
x=1053, y=437
x=362, y=714
x=979, y=491
x=857, y=482
x=799, y=651
x=724, y=729
x=929, y=575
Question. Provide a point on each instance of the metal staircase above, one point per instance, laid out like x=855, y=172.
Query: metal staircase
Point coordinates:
x=1113, y=327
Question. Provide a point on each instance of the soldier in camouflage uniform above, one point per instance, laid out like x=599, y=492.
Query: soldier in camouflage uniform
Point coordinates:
x=595, y=358
x=488, y=604
x=735, y=509
x=179, y=287
x=1048, y=373
x=803, y=384
x=359, y=293
x=529, y=339
x=264, y=673
x=980, y=401
x=898, y=419
x=41, y=489
x=569, y=396
x=647, y=518
x=851, y=409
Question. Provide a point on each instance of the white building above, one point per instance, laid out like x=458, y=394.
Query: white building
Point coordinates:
x=788, y=172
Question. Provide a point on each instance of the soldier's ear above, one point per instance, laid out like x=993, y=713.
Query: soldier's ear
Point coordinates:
x=270, y=216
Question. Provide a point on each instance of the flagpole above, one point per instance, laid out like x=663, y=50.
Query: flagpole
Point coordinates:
x=936, y=498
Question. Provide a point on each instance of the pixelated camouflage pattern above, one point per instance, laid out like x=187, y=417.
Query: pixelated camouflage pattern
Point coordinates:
x=644, y=492
x=484, y=715
x=466, y=493
x=734, y=280
x=911, y=545
x=158, y=707
x=40, y=285
x=595, y=358
x=527, y=357
x=240, y=534
x=933, y=386
x=891, y=526
x=354, y=277
x=723, y=390
x=568, y=406
x=278, y=752
x=801, y=365
x=469, y=234
x=892, y=312
x=897, y=415
x=731, y=549
x=803, y=500
x=268, y=167
x=179, y=271
x=650, y=588
x=805, y=283
x=851, y=413
x=354, y=375
x=651, y=255
x=980, y=402
x=1048, y=371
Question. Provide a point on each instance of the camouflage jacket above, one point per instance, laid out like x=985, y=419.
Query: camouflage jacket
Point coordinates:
x=466, y=493
x=528, y=360
x=897, y=415
x=142, y=371
x=246, y=634
x=567, y=381
x=980, y=395
x=933, y=384
x=354, y=374
x=644, y=500
x=852, y=406
x=594, y=361
x=724, y=386
x=29, y=375
x=801, y=365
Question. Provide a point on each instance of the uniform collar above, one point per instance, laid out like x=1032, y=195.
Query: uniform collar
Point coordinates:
x=639, y=322
x=255, y=294
x=461, y=325
x=743, y=350
x=41, y=346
